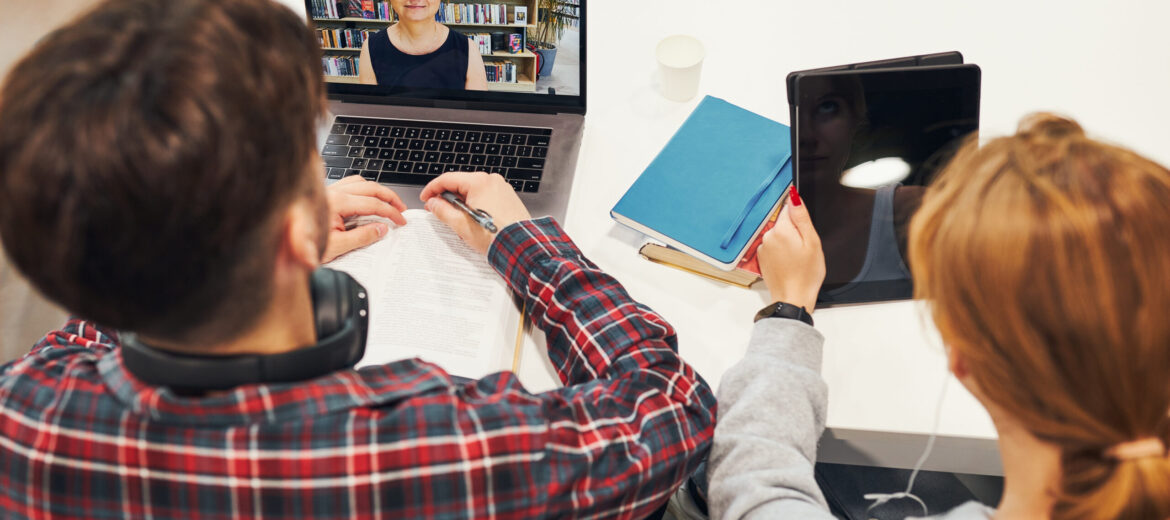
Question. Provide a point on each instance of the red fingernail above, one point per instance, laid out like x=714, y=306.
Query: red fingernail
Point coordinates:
x=793, y=196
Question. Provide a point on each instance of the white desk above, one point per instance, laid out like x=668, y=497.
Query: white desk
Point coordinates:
x=1106, y=64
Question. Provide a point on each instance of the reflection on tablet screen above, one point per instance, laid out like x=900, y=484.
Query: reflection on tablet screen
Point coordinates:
x=868, y=144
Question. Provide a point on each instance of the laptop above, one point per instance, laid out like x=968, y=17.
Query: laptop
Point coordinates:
x=401, y=115
x=867, y=141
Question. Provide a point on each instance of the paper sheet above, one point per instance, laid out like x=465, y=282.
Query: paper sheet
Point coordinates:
x=433, y=297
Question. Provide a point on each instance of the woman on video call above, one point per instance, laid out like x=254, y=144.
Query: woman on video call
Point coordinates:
x=1045, y=262
x=420, y=52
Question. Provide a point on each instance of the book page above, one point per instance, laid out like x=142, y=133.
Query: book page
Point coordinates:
x=363, y=264
x=433, y=297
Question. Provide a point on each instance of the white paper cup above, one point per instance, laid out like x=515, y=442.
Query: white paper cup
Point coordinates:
x=680, y=60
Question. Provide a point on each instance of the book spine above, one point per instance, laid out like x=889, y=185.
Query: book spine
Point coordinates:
x=346, y=66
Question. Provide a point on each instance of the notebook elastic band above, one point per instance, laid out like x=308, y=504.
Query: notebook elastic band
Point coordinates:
x=731, y=231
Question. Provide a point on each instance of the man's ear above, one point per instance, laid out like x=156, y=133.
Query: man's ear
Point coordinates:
x=300, y=236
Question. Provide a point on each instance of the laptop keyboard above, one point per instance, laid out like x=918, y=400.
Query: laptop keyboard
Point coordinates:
x=414, y=152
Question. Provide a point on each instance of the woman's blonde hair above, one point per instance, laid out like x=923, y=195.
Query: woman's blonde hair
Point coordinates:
x=1045, y=257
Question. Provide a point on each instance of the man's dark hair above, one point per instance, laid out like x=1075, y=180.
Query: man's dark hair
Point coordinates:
x=145, y=150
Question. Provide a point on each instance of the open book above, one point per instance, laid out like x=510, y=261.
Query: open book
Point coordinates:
x=435, y=298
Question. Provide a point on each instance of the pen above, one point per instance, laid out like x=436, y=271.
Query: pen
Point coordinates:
x=479, y=215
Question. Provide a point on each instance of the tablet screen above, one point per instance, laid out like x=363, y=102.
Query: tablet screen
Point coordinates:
x=867, y=144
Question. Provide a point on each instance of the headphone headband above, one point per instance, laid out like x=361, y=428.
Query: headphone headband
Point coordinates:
x=341, y=315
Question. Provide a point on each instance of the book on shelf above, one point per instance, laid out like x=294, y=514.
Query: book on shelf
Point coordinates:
x=520, y=15
x=500, y=71
x=340, y=65
x=714, y=186
x=433, y=297
x=324, y=9
x=487, y=44
x=572, y=13
x=383, y=11
x=472, y=14
x=343, y=38
x=353, y=8
x=362, y=9
x=483, y=41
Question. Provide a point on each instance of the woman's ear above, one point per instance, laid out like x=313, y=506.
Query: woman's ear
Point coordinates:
x=957, y=364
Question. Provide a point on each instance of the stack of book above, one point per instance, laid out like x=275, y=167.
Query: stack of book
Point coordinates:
x=494, y=14
x=500, y=71
x=342, y=38
x=366, y=9
x=324, y=9
x=381, y=11
x=483, y=41
x=340, y=65
x=710, y=194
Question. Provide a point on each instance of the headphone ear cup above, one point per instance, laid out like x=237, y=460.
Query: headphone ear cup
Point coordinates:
x=331, y=305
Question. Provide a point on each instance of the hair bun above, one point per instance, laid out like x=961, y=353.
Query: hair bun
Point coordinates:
x=1046, y=124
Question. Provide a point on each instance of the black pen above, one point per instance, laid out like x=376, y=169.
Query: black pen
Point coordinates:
x=482, y=217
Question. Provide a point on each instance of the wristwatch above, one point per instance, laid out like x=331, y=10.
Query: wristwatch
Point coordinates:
x=784, y=310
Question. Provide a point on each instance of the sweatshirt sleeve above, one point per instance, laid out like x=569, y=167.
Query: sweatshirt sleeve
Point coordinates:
x=771, y=414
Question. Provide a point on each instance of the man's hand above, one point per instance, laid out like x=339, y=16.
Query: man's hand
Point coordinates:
x=490, y=193
x=354, y=197
x=791, y=259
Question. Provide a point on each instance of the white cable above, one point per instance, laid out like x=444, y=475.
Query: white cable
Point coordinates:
x=882, y=498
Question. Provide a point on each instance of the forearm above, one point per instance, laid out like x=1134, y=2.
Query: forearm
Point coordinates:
x=634, y=420
x=593, y=326
x=772, y=412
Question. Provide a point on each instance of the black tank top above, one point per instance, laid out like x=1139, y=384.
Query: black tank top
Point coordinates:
x=444, y=68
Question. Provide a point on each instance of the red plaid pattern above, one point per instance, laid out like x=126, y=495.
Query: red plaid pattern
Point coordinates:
x=82, y=438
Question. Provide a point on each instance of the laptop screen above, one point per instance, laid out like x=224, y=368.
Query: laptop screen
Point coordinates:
x=501, y=54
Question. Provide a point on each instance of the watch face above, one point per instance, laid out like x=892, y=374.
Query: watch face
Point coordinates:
x=785, y=310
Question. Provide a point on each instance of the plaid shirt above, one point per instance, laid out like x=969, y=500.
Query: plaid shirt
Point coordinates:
x=82, y=438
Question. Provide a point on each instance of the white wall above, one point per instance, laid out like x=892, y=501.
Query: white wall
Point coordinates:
x=296, y=5
x=24, y=315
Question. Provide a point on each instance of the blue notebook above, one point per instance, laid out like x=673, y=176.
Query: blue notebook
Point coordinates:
x=714, y=184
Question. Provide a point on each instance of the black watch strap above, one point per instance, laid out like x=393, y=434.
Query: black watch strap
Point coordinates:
x=784, y=310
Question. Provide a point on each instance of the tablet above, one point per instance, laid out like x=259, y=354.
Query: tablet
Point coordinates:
x=921, y=60
x=866, y=143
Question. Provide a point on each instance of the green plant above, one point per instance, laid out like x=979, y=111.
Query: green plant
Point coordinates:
x=554, y=16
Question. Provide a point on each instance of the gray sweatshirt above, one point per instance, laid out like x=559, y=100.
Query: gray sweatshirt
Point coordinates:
x=771, y=414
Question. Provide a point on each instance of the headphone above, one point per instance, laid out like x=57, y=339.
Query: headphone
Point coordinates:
x=341, y=315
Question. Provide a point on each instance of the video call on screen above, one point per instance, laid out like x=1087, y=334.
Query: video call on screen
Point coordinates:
x=521, y=50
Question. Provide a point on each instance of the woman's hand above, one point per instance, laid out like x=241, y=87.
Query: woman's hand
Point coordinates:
x=356, y=197
x=791, y=259
x=490, y=193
